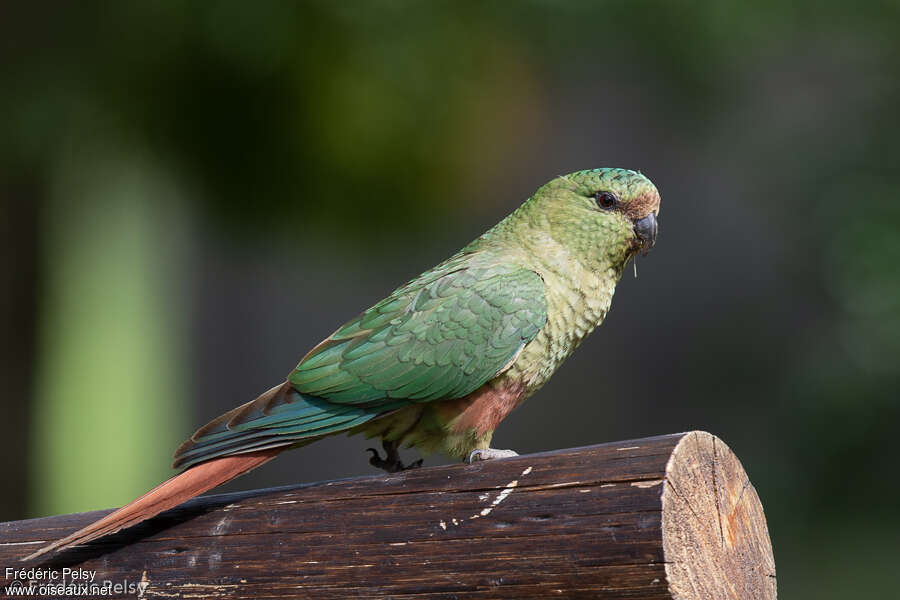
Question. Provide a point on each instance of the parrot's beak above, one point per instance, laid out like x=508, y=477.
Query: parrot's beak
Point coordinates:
x=646, y=229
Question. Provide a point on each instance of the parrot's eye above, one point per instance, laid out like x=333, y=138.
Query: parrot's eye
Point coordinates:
x=606, y=200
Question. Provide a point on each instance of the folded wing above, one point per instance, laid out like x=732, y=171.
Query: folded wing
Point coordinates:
x=441, y=336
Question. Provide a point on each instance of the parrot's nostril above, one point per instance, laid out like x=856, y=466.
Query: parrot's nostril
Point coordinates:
x=646, y=230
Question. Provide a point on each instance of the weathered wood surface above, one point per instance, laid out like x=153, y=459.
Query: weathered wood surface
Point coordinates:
x=666, y=517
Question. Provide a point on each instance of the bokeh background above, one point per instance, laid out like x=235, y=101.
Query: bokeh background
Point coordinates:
x=194, y=194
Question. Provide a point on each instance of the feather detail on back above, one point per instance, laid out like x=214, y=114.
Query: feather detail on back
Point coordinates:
x=441, y=336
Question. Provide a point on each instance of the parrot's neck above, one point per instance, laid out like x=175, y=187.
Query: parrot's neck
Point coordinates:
x=579, y=293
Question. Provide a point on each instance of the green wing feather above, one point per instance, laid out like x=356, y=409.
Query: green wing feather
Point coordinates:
x=440, y=336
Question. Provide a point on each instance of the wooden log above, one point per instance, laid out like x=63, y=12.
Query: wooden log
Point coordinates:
x=673, y=516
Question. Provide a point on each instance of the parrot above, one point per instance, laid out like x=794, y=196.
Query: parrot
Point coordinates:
x=443, y=359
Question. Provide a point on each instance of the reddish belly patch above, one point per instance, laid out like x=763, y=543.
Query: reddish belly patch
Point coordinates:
x=483, y=409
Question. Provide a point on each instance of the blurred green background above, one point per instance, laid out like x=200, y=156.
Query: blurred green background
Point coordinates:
x=194, y=194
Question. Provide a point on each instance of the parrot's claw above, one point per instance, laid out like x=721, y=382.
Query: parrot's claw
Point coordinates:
x=489, y=454
x=391, y=461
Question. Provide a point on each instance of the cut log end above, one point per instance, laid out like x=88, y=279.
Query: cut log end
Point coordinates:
x=715, y=540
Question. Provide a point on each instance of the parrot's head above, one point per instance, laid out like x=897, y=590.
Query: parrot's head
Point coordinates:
x=605, y=216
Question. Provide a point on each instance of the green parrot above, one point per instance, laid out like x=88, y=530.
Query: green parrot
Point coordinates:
x=444, y=358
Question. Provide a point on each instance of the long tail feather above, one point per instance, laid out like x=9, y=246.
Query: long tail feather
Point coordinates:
x=171, y=493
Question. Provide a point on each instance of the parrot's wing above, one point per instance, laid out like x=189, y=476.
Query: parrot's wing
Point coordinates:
x=440, y=336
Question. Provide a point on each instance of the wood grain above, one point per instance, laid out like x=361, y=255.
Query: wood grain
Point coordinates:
x=665, y=517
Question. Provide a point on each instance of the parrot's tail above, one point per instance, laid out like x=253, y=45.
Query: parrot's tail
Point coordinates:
x=171, y=493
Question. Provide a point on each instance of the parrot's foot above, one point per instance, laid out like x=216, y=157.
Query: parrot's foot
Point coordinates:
x=391, y=461
x=489, y=454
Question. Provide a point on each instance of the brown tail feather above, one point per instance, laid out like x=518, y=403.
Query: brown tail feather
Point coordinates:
x=166, y=495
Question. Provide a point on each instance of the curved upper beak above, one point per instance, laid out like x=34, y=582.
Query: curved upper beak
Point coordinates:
x=646, y=230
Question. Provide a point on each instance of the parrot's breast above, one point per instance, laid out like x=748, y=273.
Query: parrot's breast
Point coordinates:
x=578, y=298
